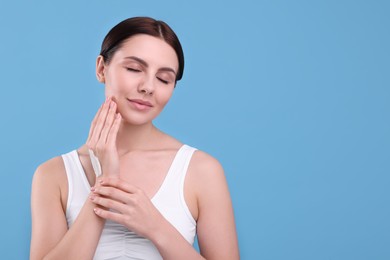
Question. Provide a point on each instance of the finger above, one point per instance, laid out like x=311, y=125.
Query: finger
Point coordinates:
x=119, y=184
x=107, y=214
x=111, y=138
x=107, y=123
x=93, y=124
x=111, y=193
x=108, y=203
x=99, y=123
x=91, y=142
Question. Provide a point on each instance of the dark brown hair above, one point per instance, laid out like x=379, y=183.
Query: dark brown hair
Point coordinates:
x=141, y=25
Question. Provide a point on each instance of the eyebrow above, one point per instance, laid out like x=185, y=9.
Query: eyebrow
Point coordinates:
x=145, y=64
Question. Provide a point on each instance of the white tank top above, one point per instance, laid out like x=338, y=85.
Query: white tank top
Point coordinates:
x=116, y=241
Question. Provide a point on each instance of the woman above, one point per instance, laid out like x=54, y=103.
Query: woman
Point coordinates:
x=154, y=192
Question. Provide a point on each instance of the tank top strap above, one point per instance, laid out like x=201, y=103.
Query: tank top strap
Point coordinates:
x=180, y=164
x=178, y=169
x=170, y=197
x=78, y=186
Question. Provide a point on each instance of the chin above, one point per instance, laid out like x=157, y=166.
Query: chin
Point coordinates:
x=136, y=120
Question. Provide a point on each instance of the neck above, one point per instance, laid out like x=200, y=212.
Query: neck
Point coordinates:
x=135, y=137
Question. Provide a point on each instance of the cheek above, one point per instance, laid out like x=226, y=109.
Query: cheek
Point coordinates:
x=165, y=96
x=116, y=84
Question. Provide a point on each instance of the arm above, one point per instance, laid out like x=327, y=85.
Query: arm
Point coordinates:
x=51, y=238
x=215, y=226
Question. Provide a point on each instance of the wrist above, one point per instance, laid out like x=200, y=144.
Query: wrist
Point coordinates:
x=162, y=234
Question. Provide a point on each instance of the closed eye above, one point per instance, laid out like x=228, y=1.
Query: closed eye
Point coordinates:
x=133, y=70
x=163, y=81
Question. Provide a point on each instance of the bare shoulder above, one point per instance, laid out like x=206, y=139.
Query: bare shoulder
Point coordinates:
x=50, y=179
x=205, y=173
x=52, y=170
x=205, y=166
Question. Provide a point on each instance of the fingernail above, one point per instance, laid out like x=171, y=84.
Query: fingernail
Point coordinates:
x=91, y=197
x=93, y=188
x=96, y=210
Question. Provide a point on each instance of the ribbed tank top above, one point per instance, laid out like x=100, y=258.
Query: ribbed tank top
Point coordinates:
x=116, y=241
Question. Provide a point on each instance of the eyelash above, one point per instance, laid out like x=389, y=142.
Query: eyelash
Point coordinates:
x=133, y=70
x=161, y=80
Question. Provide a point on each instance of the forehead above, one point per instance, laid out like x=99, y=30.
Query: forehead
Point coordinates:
x=153, y=50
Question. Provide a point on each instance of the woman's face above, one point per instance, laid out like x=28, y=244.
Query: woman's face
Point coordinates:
x=140, y=77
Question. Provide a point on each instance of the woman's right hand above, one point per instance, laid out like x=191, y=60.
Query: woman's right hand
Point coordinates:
x=102, y=138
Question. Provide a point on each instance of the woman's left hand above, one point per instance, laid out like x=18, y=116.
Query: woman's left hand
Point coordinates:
x=130, y=206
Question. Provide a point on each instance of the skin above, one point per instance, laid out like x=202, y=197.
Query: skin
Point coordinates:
x=135, y=157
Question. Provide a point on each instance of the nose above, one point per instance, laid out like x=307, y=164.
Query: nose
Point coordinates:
x=146, y=86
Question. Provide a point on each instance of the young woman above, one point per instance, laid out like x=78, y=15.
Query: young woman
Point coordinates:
x=155, y=193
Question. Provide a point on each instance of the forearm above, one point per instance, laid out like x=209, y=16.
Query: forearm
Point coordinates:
x=172, y=245
x=81, y=240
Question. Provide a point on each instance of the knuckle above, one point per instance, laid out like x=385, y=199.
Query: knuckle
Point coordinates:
x=99, y=123
x=115, y=181
x=109, y=192
x=107, y=123
x=97, y=199
x=109, y=203
x=135, y=200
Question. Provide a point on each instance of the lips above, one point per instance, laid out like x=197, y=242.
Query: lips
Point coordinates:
x=140, y=104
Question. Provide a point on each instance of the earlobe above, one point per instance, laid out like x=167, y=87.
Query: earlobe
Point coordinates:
x=100, y=69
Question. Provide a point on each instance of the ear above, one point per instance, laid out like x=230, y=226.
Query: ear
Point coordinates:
x=100, y=66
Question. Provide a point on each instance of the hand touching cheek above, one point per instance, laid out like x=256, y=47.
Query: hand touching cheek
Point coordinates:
x=102, y=138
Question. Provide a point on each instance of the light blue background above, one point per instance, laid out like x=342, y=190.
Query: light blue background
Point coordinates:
x=291, y=96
